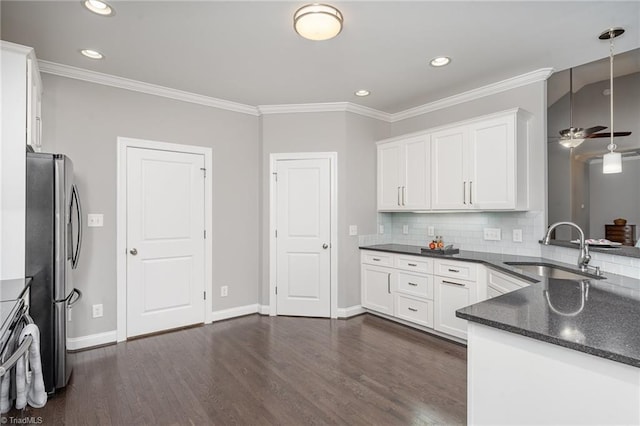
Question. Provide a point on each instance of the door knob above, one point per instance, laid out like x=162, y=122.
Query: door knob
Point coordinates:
x=325, y=246
x=133, y=251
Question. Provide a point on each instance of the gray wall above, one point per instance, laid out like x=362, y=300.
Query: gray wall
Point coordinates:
x=83, y=121
x=352, y=137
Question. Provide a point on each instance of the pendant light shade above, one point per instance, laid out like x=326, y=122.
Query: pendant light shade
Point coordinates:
x=612, y=163
x=318, y=21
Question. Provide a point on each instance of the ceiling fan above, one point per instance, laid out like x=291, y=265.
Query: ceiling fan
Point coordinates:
x=574, y=136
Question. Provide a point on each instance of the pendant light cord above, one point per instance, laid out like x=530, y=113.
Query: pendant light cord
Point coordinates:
x=611, y=146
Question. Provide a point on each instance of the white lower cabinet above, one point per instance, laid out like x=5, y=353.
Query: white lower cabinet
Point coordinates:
x=452, y=294
x=419, y=311
x=499, y=283
x=376, y=288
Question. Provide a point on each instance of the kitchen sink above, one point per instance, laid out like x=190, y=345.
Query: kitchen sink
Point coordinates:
x=548, y=270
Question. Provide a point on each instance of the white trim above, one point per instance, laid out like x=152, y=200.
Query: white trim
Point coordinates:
x=167, y=92
x=142, y=87
x=351, y=311
x=325, y=107
x=480, y=92
x=121, y=221
x=238, y=311
x=83, y=342
x=333, y=161
x=263, y=309
x=16, y=48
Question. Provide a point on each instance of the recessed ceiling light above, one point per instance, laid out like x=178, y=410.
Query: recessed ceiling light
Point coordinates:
x=362, y=92
x=92, y=54
x=440, y=61
x=99, y=7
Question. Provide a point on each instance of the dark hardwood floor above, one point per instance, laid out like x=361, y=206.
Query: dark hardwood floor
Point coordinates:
x=259, y=370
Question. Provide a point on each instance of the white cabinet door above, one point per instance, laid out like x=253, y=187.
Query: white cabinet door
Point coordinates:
x=492, y=164
x=416, y=189
x=376, y=289
x=448, y=172
x=452, y=294
x=389, y=176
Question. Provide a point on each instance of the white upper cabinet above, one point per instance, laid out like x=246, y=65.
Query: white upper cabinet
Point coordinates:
x=448, y=168
x=479, y=164
x=403, y=174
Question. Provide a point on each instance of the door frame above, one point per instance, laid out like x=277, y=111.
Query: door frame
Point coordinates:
x=333, y=223
x=121, y=223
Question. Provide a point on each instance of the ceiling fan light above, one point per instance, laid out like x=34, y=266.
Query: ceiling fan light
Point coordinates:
x=612, y=163
x=318, y=21
x=570, y=142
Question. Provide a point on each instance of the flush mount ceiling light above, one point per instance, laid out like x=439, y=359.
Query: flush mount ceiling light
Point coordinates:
x=92, y=54
x=612, y=161
x=362, y=92
x=317, y=21
x=440, y=61
x=99, y=7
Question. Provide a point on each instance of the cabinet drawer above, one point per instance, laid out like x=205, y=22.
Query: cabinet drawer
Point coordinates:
x=417, y=311
x=373, y=258
x=416, y=285
x=417, y=264
x=453, y=269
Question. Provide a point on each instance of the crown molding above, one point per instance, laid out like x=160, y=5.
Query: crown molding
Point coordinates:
x=142, y=87
x=480, y=92
x=16, y=48
x=324, y=107
x=153, y=89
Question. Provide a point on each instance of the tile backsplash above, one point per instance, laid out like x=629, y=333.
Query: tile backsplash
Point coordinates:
x=464, y=230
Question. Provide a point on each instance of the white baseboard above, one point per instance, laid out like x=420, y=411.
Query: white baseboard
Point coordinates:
x=234, y=312
x=83, y=342
x=264, y=309
x=351, y=311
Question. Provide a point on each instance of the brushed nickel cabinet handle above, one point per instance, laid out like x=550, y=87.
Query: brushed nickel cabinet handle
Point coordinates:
x=413, y=284
x=375, y=259
x=412, y=264
x=404, y=195
x=464, y=192
x=399, y=196
x=412, y=309
x=451, y=282
x=470, y=192
x=389, y=283
x=454, y=270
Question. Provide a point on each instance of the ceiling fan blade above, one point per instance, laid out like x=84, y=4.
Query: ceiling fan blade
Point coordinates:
x=607, y=135
x=586, y=132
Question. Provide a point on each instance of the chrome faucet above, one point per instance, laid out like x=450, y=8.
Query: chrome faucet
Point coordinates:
x=585, y=257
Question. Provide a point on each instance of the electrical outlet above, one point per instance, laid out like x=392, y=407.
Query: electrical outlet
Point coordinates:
x=97, y=310
x=431, y=232
x=405, y=229
x=492, y=234
x=382, y=229
x=224, y=291
x=517, y=235
x=353, y=230
x=95, y=220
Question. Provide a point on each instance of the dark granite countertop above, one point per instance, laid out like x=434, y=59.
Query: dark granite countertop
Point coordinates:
x=595, y=316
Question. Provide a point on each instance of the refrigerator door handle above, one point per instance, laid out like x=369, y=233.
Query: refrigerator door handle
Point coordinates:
x=68, y=299
x=75, y=197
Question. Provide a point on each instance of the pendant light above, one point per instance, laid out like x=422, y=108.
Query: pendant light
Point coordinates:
x=612, y=161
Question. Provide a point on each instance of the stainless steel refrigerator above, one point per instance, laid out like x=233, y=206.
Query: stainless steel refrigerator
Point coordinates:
x=53, y=242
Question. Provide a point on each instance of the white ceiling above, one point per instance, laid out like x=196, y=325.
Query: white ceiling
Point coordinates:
x=248, y=52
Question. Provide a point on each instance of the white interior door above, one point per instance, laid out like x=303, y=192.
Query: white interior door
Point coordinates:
x=165, y=240
x=303, y=266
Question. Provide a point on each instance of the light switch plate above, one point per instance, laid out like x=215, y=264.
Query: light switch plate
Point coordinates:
x=95, y=220
x=431, y=232
x=353, y=230
x=492, y=234
x=405, y=229
x=517, y=235
x=382, y=229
